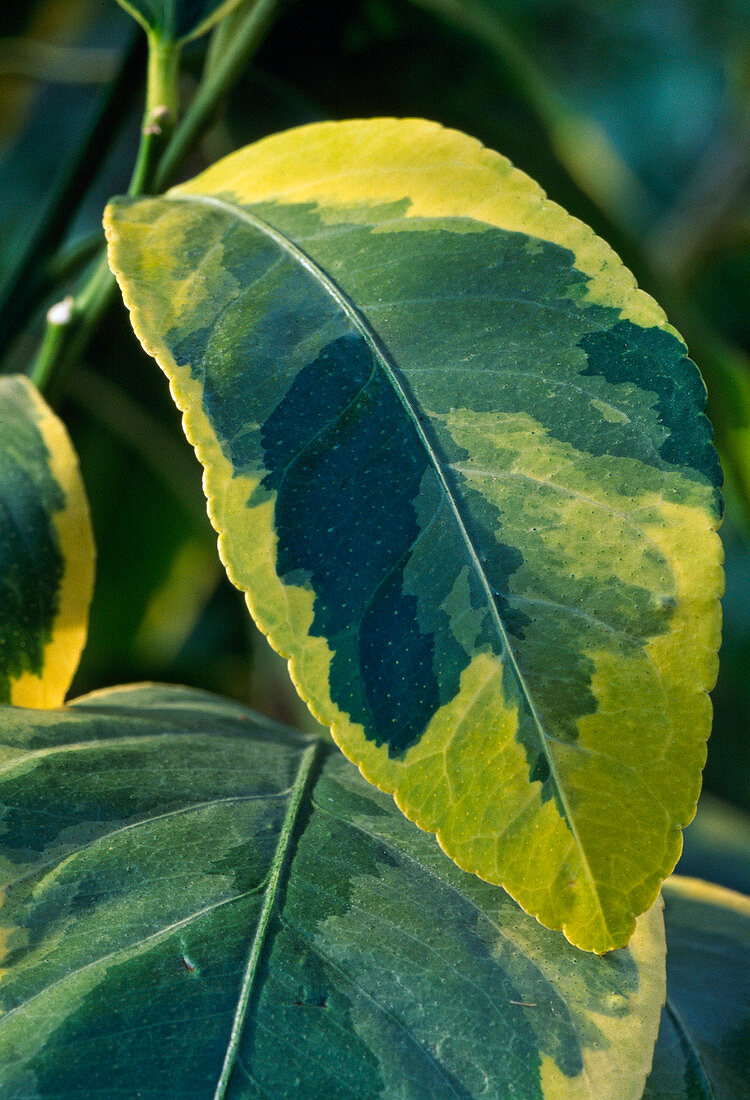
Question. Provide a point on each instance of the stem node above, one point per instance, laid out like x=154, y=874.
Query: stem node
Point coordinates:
x=62, y=312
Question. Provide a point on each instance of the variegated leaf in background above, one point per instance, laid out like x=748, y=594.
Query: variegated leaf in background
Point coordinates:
x=46, y=551
x=703, y=1051
x=178, y=20
x=461, y=468
x=198, y=903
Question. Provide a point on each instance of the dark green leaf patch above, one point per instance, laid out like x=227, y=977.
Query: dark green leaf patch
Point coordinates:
x=654, y=362
x=339, y=434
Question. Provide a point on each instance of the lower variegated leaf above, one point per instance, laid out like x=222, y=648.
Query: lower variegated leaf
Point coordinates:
x=717, y=845
x=703, y=1050
x=46, y=551
x=199, y=903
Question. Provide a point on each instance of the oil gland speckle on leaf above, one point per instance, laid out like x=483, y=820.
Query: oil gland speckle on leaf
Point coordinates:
x=461, y=468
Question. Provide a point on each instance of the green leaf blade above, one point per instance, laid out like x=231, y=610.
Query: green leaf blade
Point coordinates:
x=459, y=465
x=46, y=548
x=134, y=888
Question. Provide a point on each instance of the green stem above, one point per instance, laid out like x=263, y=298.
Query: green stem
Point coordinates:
x=71, y=259
x=69, y=328
x=162, y=106
x=71, y=323
x=161, y=151
x=59, y=320
x=221, y=38
x=162, y=95
x=226, y=63
x=23, y=285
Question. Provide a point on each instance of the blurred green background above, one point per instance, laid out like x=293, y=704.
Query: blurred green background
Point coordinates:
x=633, y=114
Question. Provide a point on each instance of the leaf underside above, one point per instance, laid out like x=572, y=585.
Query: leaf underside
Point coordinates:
x=46, y=551
x=194, y=895
x=460, y=466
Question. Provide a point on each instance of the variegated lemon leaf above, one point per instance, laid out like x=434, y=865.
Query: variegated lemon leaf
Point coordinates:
x=703, y=1051
x=200, y=904
x=460, y=466
x=178, y=20
x=46, y=551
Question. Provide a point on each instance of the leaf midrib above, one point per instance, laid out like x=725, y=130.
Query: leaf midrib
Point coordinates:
x=687, y=1041
x=275, y=882
x=379, y=353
